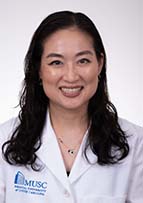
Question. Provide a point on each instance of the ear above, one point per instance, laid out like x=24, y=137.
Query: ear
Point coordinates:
x=100, y=63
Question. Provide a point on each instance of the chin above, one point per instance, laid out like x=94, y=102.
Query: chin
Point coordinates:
x=74, y=106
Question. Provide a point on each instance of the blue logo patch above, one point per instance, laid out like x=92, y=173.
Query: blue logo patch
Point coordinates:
x=21, y=184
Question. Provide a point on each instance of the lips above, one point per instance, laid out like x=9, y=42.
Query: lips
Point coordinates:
x=71, y=91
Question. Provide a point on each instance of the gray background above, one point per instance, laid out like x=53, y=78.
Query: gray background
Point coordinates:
x=120, y=23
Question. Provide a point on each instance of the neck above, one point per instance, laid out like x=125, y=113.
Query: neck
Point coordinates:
x=69, y=121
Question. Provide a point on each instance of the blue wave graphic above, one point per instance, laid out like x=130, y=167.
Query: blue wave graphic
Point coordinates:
x=19, y=178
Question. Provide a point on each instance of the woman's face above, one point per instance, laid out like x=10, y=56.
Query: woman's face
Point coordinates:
x=69, y=69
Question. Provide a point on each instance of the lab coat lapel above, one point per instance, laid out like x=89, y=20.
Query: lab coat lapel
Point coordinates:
x=81, y=165
x=49, y=153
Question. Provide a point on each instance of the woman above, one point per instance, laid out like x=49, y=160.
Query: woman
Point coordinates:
x=68, y=144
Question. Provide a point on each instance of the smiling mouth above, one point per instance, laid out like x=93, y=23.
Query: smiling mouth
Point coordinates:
x=71, y=91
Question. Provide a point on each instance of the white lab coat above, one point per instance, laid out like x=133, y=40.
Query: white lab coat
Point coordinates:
x=120, y=183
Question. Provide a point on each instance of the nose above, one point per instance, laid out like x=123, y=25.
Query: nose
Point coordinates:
x=71, y=73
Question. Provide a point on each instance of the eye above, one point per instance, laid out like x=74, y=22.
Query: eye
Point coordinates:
x=55, y=63
x=84, y=61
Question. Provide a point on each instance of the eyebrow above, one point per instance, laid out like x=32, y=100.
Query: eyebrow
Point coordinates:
x=84, y=52
x=54, y=55
x=78, y=54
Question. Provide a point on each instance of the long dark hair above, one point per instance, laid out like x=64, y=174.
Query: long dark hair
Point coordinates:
x=105, y=133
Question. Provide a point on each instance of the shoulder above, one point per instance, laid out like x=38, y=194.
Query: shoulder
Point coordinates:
x=7, y=128
x=130, y=128
x=134, y=134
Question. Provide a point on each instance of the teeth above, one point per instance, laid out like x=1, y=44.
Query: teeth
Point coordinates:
x=69, y=90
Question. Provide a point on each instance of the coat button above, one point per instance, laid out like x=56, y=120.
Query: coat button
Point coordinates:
x=66, y=193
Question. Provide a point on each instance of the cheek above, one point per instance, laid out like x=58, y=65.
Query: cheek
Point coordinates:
x=91, y=83
x=53, y=73
x=49, y=76
x=91, y=77
x=48, y=82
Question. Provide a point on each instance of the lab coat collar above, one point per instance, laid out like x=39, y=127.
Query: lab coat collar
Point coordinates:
x=50, y=154
x=81, y=165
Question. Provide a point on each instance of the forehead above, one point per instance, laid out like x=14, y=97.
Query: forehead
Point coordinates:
x=71, y=37
x=67, y=34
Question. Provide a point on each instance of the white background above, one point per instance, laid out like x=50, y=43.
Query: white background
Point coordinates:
x=120, y=23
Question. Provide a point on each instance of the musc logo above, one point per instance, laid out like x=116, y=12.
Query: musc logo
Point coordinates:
x=21, y=180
